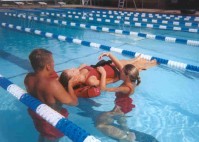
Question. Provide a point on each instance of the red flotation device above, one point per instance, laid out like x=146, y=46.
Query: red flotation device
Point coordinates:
x=87, y=91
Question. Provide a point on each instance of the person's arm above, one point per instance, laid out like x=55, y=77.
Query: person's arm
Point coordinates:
x=71, y=91
x=117, y=63
x=29, y=82
x=111, y=80
x=103, y=87
x=122, y=89
x=60, y=94
x=93, y=81
x=103, y=78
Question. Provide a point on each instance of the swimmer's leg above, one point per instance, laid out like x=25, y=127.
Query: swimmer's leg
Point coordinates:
x=130, y=137
x=111, y=131
x=144, y=64
x=123, y=123
x=140, y=63
x=130, y=61
x=117, y=110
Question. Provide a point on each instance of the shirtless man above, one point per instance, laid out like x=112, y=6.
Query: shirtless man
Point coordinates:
x=43, y=84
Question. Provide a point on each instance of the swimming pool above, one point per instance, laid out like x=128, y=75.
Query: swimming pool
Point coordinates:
x=166, y=100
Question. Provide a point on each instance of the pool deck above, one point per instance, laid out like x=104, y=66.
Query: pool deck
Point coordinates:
x=163, y=11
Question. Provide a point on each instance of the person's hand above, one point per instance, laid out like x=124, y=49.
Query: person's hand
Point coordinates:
x=104, y=54
x=101, y=70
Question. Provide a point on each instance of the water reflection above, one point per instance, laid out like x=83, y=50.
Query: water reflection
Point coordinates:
x=113, y=123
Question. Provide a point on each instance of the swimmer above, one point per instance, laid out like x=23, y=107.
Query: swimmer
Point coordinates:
x=90, y=76
x=43, y=85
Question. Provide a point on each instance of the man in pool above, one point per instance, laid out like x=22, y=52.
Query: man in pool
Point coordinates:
x=43, y=84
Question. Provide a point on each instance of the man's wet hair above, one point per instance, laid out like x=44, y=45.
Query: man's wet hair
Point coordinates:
x=39, y=58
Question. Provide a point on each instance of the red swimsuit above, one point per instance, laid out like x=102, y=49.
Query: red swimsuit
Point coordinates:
x=124, y=101
x=87, y=91
x=110, y=72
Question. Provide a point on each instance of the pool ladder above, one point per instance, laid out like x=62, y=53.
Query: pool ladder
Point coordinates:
x=122, y=2
x=85, y=2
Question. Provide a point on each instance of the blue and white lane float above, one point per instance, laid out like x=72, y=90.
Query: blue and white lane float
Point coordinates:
x=170, y=63
x=112, y=21
x=148, y=20
x=75, y=133
x=135, y=14
x=140, y=19
x=139, y=13
x=104, y=29
x=144, y=25
x=124, y=20
x=176, y=17
x=131, y=14
x=153, y=23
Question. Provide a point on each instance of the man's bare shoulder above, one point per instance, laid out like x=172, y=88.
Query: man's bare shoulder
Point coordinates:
x=29, y=81
x=52, y=85
x=29, y=76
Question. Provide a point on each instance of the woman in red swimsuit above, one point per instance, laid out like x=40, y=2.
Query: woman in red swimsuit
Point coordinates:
x=128, y=73
x=88, y=78
x=130, y=76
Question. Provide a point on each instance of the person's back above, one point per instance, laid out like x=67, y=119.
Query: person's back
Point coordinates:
x=43, y=85
x=41, y=88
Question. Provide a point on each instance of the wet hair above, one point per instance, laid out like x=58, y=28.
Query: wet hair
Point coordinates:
x=39, y=58
x=132, y=72
x=63, y=79
x=101, y=63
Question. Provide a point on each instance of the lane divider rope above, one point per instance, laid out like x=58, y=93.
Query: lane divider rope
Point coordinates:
x=148, y=14
x=104, y=29
x=134, y=24
x=74, y=132
x=176, y=25
x=143, y=14
x=132, y=14
x=142, y=19
x=170, y=63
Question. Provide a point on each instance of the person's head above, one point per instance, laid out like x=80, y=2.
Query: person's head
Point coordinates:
x=41, y=58
x=67, y=74
x=131, y=72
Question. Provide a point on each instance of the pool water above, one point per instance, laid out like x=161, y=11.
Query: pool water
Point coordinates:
x=166, y=101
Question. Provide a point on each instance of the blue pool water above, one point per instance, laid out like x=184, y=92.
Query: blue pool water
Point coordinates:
x=167, y=99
